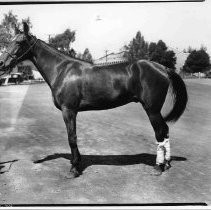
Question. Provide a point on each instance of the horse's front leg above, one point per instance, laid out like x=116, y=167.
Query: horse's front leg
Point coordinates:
x=69, y=117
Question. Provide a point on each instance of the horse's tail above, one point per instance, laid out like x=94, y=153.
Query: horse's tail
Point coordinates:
x=180, y=97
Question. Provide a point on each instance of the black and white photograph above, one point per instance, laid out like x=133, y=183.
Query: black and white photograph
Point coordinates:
x=105, y=103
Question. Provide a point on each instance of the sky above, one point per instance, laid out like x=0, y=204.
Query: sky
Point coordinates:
x=178, y=24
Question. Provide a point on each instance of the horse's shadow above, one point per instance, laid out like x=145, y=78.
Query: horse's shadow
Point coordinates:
x=1, y=168
x=118, y=160
x=2, y=165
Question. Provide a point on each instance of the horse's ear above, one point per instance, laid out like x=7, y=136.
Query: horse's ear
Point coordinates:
x=25, y=28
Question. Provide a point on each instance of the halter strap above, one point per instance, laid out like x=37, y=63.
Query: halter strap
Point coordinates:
x=30, y=47
x=17, y=58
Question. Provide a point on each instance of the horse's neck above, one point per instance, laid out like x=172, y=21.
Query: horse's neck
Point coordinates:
x=46, y=59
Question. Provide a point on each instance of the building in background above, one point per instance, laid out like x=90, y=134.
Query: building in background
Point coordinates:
x=110, y=59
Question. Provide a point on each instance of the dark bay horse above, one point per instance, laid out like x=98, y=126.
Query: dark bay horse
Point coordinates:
x=79, y=86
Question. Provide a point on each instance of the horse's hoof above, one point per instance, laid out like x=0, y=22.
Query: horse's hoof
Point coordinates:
x=73, y=173
x=167, y=165
x=157, y=170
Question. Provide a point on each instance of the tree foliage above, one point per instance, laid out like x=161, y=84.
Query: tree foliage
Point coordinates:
x=87, y=55
x=7, y=28
x=159, y=53
x=62, y=41
x=138, y=49
x=197, y=61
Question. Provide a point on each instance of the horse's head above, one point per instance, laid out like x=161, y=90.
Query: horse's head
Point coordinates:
x=18, y=50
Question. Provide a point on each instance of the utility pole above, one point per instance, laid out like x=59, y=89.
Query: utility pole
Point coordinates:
x=106, y=51
x=49, y=37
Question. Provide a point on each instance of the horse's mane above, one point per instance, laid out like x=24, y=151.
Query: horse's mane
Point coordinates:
x=61, y=52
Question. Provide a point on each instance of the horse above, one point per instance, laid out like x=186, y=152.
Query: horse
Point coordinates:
x=78, y=86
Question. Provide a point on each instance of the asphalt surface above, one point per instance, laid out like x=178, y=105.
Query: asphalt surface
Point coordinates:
x=118, y=152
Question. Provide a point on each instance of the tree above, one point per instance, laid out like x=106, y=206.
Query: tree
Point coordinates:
x=169, y=59
x=4, y=38
x=197, y=61
x=184, y=51
x=9, y=22
x=62, y=41
x=152, y=47
x=137, y=48
x=203, y=48
x=79, y=55
x=7, y=28
x=190, y=49
x=87, y=55
x=159, y=53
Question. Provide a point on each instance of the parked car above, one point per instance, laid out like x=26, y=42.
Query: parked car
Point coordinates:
x=208, y=74
x=14, y=78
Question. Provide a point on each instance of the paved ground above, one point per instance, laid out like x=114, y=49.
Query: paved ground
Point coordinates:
x=118, y=150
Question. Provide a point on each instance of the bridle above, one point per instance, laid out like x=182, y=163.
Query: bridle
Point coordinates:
x=17, y=58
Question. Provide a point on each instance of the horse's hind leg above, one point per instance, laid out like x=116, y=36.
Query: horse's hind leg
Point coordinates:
x=162, y=135
x=69, y=117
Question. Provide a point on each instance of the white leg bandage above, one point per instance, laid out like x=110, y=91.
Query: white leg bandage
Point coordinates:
x=160, y=155
x=163, y=151
x=167, y=150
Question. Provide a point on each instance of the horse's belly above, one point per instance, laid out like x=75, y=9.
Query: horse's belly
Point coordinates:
x=103, y=104
x=105, y=90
